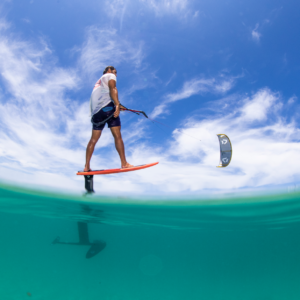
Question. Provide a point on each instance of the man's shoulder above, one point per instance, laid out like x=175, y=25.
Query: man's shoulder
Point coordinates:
x=109, y=76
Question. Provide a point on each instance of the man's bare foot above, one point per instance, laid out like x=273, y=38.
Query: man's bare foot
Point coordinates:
x=128, y=165
x=87, y=169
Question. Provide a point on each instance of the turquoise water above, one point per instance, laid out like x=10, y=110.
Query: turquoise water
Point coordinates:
x=231, y=248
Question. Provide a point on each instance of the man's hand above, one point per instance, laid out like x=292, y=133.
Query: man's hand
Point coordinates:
x=117, y=112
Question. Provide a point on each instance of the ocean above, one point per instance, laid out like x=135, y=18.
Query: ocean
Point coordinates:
x=235, y=247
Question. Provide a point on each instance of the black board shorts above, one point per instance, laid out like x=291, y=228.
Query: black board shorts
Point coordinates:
x=103, y=114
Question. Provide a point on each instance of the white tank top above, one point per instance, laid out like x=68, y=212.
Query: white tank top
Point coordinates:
x=100, y=96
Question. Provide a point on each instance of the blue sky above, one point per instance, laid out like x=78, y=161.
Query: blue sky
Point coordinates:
x=202, y=67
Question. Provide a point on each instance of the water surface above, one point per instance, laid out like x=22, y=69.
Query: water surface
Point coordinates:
x=244, y=247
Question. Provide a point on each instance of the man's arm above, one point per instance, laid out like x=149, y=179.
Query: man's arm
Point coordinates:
x=114, y=95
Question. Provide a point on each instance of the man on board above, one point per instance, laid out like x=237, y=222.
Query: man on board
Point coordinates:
x=105, y=108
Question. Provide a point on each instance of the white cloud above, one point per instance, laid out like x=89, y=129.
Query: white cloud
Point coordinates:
x=26, y=20
x=177, y=8
x=191, y=87
x=96, y=52
x=257, y=108
x=46, y=146
x=115, y=7
x=194, y=87
x=285, y=60
x=172, y=77
x=293, y=99
x=255, y=34
x=196, y=14
x=161, y=7
x=264, y=153
x=44, y=133
x=159, y=110
x=35, y=107
x=3, y=24
x=104, y=47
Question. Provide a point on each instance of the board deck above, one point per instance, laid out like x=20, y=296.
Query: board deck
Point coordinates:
x=112, y=171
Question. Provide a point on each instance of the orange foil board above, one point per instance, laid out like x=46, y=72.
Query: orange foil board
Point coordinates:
x=112, y=171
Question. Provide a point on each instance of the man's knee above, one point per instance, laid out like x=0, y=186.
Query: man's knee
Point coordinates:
x=118, y=138
x=93, y=141
x=116, y=134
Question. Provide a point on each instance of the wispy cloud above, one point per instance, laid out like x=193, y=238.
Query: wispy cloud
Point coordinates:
x=172, y=77
x=292, y=100
x=162, y=7
x=106, y=47
x=103, y=47
x=256, y=35
x=26, y=20
x=117, y=9
x=263, y=143
x=43, y=132
x=195, y=87
x=38, y=117
x=35, y=106
x=258, y=107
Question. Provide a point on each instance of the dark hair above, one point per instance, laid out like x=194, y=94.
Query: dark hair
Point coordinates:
x=109, y=67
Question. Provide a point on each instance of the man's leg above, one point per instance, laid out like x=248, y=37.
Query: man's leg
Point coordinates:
x=90, y=148
x=116, y=132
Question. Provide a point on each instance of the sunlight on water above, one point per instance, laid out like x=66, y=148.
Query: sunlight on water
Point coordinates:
x=242, y=247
